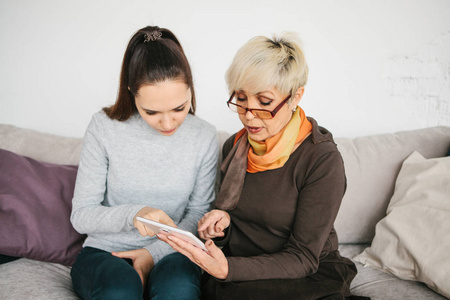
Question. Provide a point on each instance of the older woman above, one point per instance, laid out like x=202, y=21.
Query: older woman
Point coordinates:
x=283, y=182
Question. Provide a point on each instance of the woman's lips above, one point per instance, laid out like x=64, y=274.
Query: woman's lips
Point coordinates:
x=254, y=130
x=168, y=131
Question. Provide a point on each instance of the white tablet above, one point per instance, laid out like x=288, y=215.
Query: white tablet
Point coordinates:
x=169, y=230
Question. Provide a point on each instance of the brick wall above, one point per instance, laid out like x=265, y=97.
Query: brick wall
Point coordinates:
x=420, y=84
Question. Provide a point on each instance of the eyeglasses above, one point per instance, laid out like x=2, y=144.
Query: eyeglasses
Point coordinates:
x=259, y=113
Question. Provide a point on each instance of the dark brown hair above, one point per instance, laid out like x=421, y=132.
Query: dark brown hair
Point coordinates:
x=153, y=55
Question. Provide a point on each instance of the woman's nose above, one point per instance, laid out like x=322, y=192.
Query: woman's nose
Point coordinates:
x=249, y=115
x=166, y=122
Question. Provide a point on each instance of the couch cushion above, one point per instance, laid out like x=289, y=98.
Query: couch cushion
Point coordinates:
x=379, y=285
x=40, y=146
x=412, y=241
x=35, y=207
x=372, y=164
x=37, y=280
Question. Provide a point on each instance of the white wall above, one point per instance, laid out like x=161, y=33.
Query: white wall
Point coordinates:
x=375, y=66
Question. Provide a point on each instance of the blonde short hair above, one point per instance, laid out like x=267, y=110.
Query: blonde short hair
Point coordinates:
x=264, y=63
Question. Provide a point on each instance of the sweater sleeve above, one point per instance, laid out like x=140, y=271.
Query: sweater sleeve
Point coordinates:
x=226, y=148
x=88, y=214
x=203, y=193
x=319, y=200
x=200, y=199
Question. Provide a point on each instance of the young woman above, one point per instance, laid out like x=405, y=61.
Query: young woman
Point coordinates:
x=283, y=182
x=147, y=155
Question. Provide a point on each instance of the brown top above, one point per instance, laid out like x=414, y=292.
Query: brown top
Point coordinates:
x=283, y=223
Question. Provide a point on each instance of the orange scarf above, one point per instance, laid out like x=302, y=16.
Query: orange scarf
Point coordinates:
x=237, y=163
x=274, y=152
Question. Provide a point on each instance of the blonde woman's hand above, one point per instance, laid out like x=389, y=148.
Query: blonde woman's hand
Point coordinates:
x=142, y=262
x=153, y=214
x=212, y=261
x=213, y=224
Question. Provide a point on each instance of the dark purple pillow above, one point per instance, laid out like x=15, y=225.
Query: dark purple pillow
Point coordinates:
x=35, y=206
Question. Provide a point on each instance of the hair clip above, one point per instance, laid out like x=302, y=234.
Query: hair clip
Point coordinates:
x=152, y=36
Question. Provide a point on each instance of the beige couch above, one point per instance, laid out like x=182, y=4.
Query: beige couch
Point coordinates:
x=372, y=164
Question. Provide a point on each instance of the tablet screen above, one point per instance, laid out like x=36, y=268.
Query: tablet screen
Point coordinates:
x=169, y=230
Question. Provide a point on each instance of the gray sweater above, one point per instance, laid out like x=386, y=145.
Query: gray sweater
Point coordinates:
x=125, y=166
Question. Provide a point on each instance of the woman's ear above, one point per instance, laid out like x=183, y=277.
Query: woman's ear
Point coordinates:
x=297, y=96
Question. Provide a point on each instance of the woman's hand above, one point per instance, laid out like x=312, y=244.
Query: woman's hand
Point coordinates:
x=213, y=224
x=212, y=261
x=152, y=214
x=142, y=262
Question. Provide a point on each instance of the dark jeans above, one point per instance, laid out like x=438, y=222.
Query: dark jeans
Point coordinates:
x=97, y=274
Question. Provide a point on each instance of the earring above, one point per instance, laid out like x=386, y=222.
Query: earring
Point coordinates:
x=295, y=108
